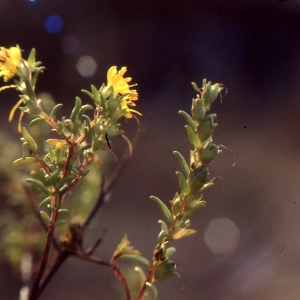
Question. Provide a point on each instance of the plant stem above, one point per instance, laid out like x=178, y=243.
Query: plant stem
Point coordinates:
x=40, y=162
x=148, y=279
x=44, y=262
x=61, y=258
x=67, y=165
x=32, y=202
x=120, y=276
x=54, y=126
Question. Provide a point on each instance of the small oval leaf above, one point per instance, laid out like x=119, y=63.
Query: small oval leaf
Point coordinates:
x=44, y=202
x=35, y=121
x=60, y=223
x=39, y=184
x=183, y=163
x=55, y=109
x=193, y=136
x=183, y=183
x=164, y=209
x=45, y=217
x=140, y=259
x=153, y=290
x=23, y=161
x=188, y=118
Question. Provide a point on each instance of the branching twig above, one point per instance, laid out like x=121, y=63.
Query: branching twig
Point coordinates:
x=36, y=212
x=93, y=247
x=63, y=255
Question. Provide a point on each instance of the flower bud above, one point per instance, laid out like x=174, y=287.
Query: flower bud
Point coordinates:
x=211, y=93
x=206, y=129
x=198, y=110
x=165, y=269
x=198, y=178
x=208, y=153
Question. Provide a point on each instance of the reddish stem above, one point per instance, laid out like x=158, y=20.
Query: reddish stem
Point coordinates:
x=76, y=179
x=120, y=276
x=33, y=295
x=40, y=162
x=148, y=279
x=54, y=126
x=68, y=162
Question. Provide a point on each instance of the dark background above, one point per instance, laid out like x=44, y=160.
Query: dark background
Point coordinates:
x=250, y=46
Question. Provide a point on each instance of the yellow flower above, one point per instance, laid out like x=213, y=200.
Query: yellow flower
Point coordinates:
x=9, y=60
x=121, y=86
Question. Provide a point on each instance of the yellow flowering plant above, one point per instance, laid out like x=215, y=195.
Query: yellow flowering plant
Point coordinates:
x=60, y=164
x=10, y=60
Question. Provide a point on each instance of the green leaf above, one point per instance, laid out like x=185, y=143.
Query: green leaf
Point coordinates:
x=164, y=209
x=60, y=223
x=183, y=183
x=63, y=211
x=45, y=217
x=75, y=110
x=188, y=118
x=170, y=251
x=182, y=233
x=141, y=275
x=96, y=95
x=153, y=290
x=193, y=136
x=88, y=93
x=55, y=109
x=29, y=88
x=23, y=161
x=28, y=138
x=162, y=236
x=163, y=225
x=104, y=104
x=39, y=184
x=36, y=75
x=51, y=155
x=83, y=109
x=140, y=259
x=35, y=121
x=183, y=163
x=85, y=172
x=196, y=87
x=31, y=58
x=50, y=207
x=88, y=128
x=60, y=127
x=45, y=201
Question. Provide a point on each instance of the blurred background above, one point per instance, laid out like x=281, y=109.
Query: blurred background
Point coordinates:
x=247, y=244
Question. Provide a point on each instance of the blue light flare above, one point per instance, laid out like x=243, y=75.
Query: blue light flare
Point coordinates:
x=54, y=24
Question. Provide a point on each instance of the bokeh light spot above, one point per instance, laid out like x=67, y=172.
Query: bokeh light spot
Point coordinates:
x=222, y=236
x=86, y=66
x=70, y=44
x=54, y=24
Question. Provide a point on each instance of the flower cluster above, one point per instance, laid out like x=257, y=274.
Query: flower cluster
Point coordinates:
x=10, y=59
x=120, y=85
